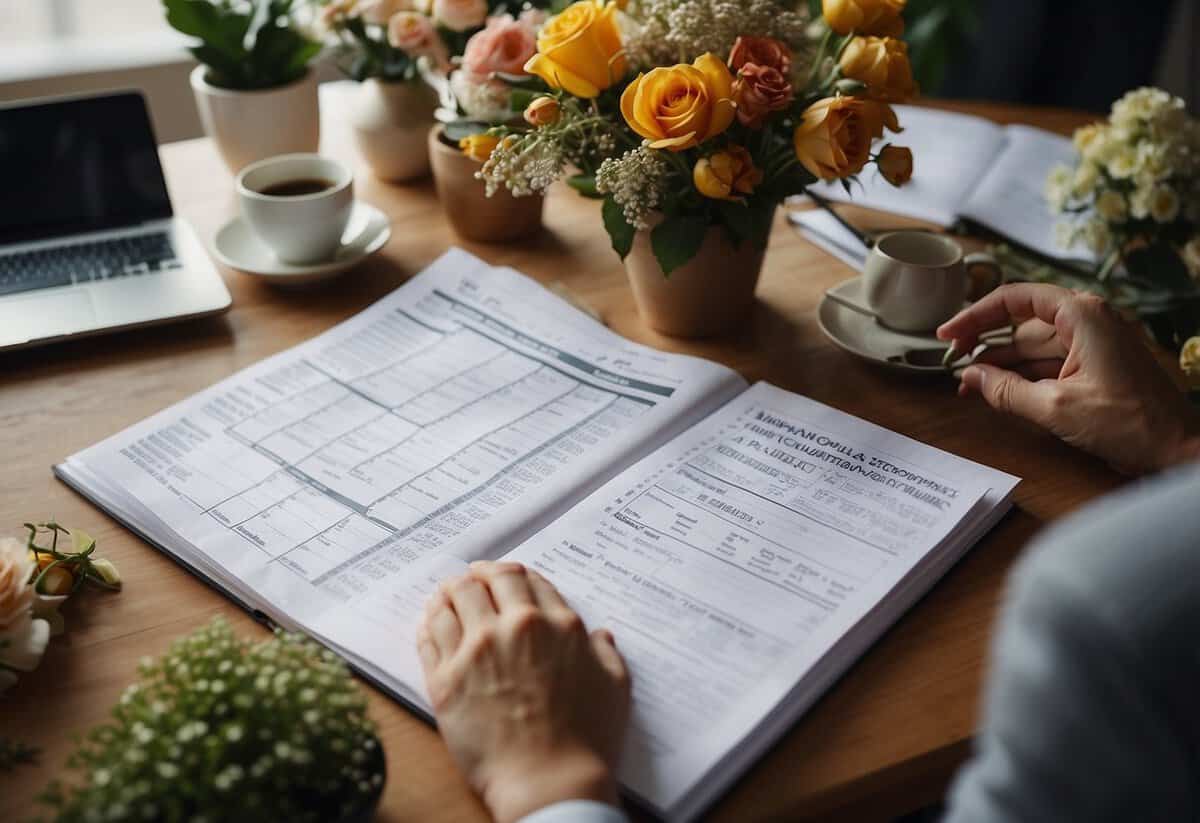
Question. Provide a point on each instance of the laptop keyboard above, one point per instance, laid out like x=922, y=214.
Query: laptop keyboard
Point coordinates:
x=86, y=262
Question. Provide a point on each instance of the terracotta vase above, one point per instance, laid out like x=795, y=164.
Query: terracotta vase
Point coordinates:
x=473, y=214
x=248, y=126
x=711, y=294
x=390, y=122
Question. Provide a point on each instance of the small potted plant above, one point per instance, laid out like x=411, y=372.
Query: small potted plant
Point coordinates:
x=255, y=92
x=488, y=91
x=221, y=728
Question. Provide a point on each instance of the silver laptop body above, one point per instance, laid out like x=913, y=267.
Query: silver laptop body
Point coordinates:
x=88, y=240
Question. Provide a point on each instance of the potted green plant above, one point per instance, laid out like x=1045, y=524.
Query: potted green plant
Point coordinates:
x=222, y=728
x=255, y=92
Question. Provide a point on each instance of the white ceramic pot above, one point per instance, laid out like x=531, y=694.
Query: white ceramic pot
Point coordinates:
x=391, y=124
x=249, y=126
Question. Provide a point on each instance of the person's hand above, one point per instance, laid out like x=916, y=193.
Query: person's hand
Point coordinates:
x=532, y=707
x=1081, y=371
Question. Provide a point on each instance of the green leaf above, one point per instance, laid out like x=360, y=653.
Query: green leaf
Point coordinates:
x=676, y=240
x=585, y=184
x=1160, y=265
x=748, y=222
x=619, y=230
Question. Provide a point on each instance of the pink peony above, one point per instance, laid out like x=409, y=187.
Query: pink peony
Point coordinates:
x=503, y=47
x=460, y=15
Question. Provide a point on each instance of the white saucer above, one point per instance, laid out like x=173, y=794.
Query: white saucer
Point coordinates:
x=862, y=335
x=238, y=247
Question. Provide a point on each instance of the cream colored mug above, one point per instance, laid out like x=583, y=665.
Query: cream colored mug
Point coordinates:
x=914, y=281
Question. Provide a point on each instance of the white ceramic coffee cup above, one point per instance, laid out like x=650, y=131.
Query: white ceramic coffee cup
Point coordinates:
x=300, y=229
x=914, y=281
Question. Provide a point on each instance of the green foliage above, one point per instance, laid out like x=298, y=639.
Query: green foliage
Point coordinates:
x=677, y=239
x=937, y=31
x=246, y=44
x=224, y=729
x=619, y=230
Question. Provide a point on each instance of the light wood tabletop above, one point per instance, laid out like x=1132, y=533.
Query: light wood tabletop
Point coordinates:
x=885, y=740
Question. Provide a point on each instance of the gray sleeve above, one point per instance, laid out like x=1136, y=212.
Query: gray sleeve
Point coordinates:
x=1091, y=712
x=577, y=811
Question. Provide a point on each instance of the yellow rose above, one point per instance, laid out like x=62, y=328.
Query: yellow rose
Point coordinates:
x=479, y=147
x=580, y=50
x=879, y=17
x=895, y=164
x=543, y=111
x=881, y=64
x=678, y=107
x=1189, y=357
x=834, y=136
x=726, y=174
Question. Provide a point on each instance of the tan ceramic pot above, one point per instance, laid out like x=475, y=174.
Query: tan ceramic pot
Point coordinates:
x=709, y=295
x=391, y=121
x=473, y=214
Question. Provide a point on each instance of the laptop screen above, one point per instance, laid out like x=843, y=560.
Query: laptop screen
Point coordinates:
x=76, y=165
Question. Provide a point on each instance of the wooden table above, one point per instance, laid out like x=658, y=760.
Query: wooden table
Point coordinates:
x=884, y=741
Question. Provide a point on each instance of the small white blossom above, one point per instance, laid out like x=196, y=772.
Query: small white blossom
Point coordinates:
x=636, y=181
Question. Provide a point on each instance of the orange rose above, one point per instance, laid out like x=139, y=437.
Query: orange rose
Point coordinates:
x=678, y=107
x=758, y=91
x=543, y=111
x=880, y=17
x=726, y=174
x=834, y=137
x=895, y=164
x=881, y=64
x=760, y=51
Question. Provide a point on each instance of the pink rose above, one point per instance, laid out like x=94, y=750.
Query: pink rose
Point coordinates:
x=415, y=35
x=22, y=638
x=503, y=47
x=460, y=15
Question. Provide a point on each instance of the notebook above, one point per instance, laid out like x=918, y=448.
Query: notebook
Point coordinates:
x=971, y=170
x=746, y=545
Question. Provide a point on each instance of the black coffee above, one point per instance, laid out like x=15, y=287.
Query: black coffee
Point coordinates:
x=297, y=188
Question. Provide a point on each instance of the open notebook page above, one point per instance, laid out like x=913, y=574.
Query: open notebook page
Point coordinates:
x=1010, y=199
x=736, y=558
x=951, y=154
x=457, y=416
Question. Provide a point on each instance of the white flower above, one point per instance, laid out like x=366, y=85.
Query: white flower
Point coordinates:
x=1058, y=187
x=487, y=101
x=1123, y=163
x=1064, y=234
x=1191, y=256
x=1139, y=202
x=1164, y=204
x=1189, y=357
x=1096, y=237
x=23, y=638
x=1111, y=206
x=1140, y=105
x=1085, y=179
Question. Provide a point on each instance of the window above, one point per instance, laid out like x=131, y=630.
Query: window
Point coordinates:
x=48, y=37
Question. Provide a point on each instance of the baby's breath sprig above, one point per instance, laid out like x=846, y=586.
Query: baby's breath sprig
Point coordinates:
x=225, y=729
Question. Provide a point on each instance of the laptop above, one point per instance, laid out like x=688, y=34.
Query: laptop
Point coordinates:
x=88, y=240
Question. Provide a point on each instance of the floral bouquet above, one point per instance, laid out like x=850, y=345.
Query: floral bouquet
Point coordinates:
x=1133, y=200
x=689, y=116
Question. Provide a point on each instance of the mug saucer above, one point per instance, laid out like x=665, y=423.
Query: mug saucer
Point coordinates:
x=237, y=246
x=858, y=332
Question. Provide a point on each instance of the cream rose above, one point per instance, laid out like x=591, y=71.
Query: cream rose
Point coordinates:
x=460, y=15
x=22, y=638
x=379, y=12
